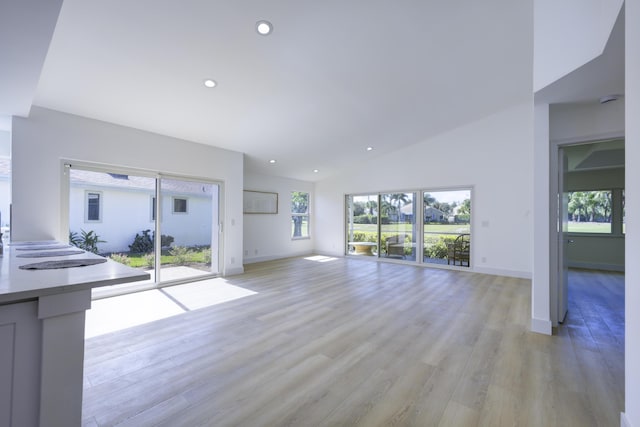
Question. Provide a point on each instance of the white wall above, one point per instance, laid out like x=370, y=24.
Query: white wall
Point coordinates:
x=582, y=123
x=586, y=122
x=631, y=417
x=568, y=34
x=268, y=236
x=47, y=136
x=493, y=155
x=543, y=251
x=5, y=143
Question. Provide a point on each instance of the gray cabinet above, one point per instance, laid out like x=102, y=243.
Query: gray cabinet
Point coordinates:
x=20, y=347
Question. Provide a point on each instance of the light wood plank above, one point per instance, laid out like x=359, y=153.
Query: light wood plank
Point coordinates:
x=352, y=342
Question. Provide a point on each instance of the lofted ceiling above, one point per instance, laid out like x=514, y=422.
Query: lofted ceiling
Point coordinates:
x=332, y=79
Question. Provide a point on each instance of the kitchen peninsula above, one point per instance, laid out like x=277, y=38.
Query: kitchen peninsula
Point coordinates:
x=42, y=318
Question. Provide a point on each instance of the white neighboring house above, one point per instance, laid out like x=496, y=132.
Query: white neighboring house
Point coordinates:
x=117, y=206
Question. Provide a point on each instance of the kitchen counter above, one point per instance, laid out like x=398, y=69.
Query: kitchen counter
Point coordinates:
x=21, y=285
x=42, y=319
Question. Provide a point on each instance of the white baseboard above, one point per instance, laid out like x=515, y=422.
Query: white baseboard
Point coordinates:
x=502, y=272
x=541, y=326
x=624, y=421
x=233, y=271
x=253, y=260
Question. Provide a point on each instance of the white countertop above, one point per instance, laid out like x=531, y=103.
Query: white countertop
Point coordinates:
x=20, y=285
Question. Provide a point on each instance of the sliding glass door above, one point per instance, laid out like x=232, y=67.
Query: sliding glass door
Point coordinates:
x=189, y=232
x=362, y=224
x=447, y=227
x=388, y=225
x=398, y=225
x=119, y=215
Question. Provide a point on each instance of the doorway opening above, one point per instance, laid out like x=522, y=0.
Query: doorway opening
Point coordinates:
x=589, y=201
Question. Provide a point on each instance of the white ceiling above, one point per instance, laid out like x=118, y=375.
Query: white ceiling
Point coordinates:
x=332, y=79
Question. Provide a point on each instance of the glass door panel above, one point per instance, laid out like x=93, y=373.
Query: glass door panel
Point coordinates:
x=189, y=229
x=398, y=226
x=110, y=214
x=362, y=225
x=447, y=227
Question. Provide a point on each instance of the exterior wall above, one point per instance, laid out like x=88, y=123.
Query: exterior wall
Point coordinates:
x=268, y=236
x=475, y=156
x=125, y=213
x=47, y=137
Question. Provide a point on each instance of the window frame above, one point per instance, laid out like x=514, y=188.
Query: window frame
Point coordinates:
x=87, y=209
x=301, y=215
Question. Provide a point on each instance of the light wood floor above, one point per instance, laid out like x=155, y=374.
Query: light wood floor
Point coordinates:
x=351, y=342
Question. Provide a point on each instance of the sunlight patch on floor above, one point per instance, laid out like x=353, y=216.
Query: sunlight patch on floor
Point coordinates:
x=320, y=258
x=125, y=311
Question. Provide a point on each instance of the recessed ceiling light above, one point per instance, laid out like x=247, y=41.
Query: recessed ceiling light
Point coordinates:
x=272, y=161
x=210, y=83
x=264, y=28
x=316, y=171
x=369, y=148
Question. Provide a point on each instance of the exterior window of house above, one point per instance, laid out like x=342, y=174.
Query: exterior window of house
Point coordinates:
x=299, y=215
x=93, y=206
x=179, y=205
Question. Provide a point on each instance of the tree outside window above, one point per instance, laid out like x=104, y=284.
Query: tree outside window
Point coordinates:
x=590, y=212
x=300, y=215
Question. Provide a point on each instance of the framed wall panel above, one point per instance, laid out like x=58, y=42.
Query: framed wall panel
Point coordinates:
x=260, y=202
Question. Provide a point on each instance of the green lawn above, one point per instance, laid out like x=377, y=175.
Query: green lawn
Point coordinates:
x=138, y=260
x=589, y=227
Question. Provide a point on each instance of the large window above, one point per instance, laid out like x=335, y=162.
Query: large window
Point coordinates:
x=596, y=212
x=299, y=215
x=388, y=225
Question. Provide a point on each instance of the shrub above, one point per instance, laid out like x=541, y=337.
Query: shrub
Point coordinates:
x=142, y=244
x=165, y=240
x=206, y=254
x=150, y=260
x=180, y=254
x=362, y=219
x=87, y=240
x=437, y=246
x=121, y=258
x=463, y=219
x=437, y=250
x=145, y=242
